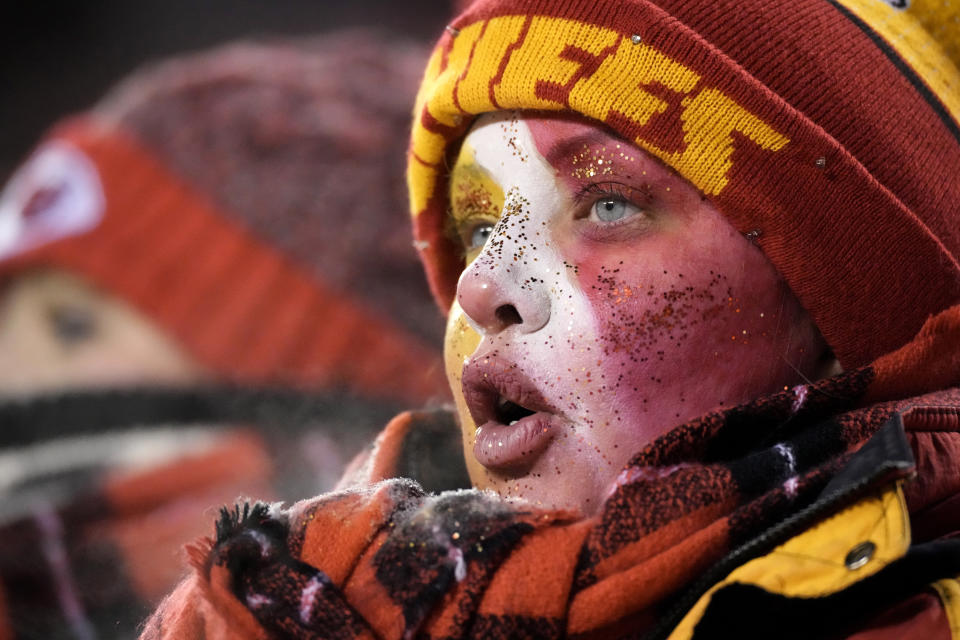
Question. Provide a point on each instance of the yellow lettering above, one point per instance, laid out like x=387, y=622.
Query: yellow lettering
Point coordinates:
x=616, y=87
x=473, y=92
x=422, y=182
x=709, y=120
x=538, y=60
x=429, y=78
x=440, y=103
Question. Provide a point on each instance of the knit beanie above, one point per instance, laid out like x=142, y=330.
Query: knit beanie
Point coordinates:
x=827, y=130
x=244, y=199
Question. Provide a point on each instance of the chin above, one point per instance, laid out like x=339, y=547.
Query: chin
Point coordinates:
x=544, y=486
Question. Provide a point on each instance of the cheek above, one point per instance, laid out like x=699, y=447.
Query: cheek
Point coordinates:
x=681, y=332
x=644, y=294
x=647, y=319
x=460, y=341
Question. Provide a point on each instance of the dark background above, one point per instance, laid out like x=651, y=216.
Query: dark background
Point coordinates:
x=60, y=58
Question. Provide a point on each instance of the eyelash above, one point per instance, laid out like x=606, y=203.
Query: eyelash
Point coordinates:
x=455, y=231
x=590, y=193
x=584, y=198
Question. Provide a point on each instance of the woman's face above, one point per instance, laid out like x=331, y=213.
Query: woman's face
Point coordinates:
x=58, y=333
x=604, y=302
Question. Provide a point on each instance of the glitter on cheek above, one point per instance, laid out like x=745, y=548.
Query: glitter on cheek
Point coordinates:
x=652, y=328
x=645, y=324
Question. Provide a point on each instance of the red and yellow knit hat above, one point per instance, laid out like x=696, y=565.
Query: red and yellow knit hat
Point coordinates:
x=213, y=194
x=830, y=129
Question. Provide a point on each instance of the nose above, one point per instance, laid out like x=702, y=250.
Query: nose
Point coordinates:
x=495, y=301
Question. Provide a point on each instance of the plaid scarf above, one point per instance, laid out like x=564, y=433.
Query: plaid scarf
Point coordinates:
x=389, y=560
x=92, y=529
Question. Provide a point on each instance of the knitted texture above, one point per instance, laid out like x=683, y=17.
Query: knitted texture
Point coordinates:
x=244, y=192
x=389, y=561
x=304, y=143
x=119, y=482
x=827, y=129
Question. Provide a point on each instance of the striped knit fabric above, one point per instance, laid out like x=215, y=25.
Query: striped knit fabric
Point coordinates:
x=245, y=310
x=389, y=561
x=100, y=491
x=828, y=129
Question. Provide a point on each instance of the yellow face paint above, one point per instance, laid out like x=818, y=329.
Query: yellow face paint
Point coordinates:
x=459, y=343
x=475, y=199
x=614, y=87
x=570, y=344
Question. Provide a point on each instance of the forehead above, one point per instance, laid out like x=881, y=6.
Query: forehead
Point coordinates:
x=506, y=142
x=549, y=156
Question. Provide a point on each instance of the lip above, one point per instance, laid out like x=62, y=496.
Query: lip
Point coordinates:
x=500, y=446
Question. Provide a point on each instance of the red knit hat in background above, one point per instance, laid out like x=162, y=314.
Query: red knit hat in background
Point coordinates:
x=825, y=129
x=245, y=201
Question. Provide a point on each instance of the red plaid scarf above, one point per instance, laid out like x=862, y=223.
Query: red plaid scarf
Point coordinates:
x=391, y=561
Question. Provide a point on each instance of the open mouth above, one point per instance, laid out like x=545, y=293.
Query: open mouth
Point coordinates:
x=515, y=423
x=497, y=391
x=509, y=412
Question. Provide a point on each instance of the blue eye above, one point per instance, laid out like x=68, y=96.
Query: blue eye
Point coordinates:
x=612, y=209
x=479, y=235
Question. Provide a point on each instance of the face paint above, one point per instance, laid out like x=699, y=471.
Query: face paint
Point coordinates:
x=475, y=202
x=609, y=303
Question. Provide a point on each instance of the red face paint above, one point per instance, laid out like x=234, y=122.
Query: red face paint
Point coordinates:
x=621, y=298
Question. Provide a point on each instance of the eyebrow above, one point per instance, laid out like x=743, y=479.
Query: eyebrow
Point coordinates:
x=562, y=148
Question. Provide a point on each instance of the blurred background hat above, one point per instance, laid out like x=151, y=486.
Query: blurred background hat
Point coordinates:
x=250, y=202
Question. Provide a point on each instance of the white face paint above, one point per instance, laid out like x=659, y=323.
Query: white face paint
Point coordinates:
x=609, y=303
x=518, y=246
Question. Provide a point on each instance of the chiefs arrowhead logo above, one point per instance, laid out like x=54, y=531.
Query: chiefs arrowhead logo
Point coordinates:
x=56, y=194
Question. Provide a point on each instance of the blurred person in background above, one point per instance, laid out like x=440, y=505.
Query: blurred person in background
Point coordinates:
x=701, y=266
x=198, y=249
